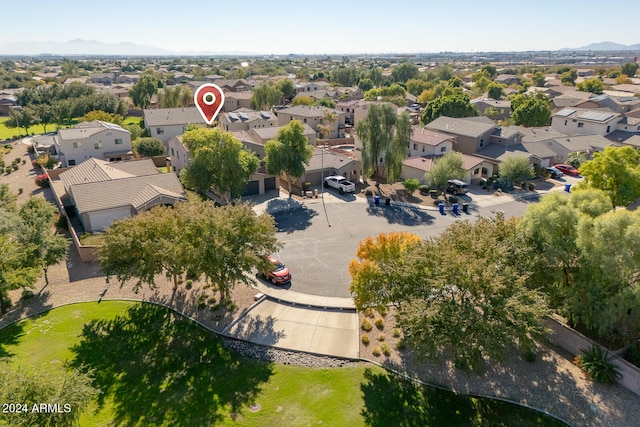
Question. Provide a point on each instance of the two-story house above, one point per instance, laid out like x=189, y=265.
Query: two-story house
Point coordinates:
x=579, y=121
x=236, y=100
x=425, y=142
x=472, y=133
x=165, y=123
x=500, y=109
x=96, y=139
x=314, y=117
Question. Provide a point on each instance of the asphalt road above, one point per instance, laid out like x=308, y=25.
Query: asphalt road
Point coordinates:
x=318, y=246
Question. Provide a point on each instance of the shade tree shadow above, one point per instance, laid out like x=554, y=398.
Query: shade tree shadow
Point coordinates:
x=403, y=215
x=10, y=336
x=159, y=368
x=257, y=329
x=293, y=220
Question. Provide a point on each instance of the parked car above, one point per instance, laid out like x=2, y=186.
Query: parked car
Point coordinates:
x=456, y=186
x=567, y=169
x=340, y=183
x=554, y=172
x=277, y=273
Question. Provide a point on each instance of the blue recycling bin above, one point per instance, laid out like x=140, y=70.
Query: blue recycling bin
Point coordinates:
x=567, y=188
x=455, y=208
x=376, y=200
x=441, y=208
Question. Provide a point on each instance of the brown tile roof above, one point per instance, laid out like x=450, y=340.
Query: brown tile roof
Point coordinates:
x=429, y=137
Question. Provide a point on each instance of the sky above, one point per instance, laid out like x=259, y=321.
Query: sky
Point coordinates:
x=324, y=27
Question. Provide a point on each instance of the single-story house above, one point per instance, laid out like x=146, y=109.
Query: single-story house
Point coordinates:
x=476, y=167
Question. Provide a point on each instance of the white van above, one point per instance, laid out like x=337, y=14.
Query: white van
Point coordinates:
x=456, y=186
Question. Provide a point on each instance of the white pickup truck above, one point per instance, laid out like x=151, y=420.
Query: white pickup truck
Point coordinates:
x=340, y=183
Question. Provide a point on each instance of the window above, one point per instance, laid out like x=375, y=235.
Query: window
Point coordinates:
x=380, y=159
x=565, y=122
x=608, y=129
x=443, y=149
x=118, y=141
x=476, y=170
x=415, y=146
x=77, y=145
x=72, y=162
x=97, y=145
x=159, y=131
x=172, y=153
x=580, y=124
x=423, y=148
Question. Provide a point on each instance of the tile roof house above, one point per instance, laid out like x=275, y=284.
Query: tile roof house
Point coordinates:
x=165, y=123
x=235, y=100
x=472, y=133
x=500, y=106
x=476, y=167
x=102, y=192
x=313, y=116
x=96, y=139
x=425, y=142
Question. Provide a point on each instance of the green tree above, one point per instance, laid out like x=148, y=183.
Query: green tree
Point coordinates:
x=490, y=69
x=265, y=96
x=36, y=231
x=531, y=110
x=515, y=168
x=219, y=161
x=455, y=104
x=288, y=152
x=384, y=136
x=179, y=96
x=135, y=130
x=591, y=202
x=149, y=147
x=21, y=118
x=375, y=74
x=629, y=68
x=325, y=102
x=15, y=269
x=27, y=386
x=344, y=76
x=365, y=84
x=593, y=85
x=615, y=171
x=495, y=90
x=403, y=72
x=44, y=115
x=287, y=88
x=302, y=100
x=417, y=86
x=142, y=91
x=445, y=168
x=538, y=79
x=569, y=77
x=411, y=185
x=102, y=116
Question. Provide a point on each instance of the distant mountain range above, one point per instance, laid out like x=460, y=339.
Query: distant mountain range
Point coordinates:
x=92, y=47
x=607, y=46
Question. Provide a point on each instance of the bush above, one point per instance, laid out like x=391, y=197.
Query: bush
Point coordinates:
x=382, y=311
x=433, y=194
x=27, y=293
x=379, y=323
x=201, y=305
x=366, y=325
x=531, y=186
x=395, y=333
x=385, y=349
x=376, y=351
x=400, y=346
x=20, y=190
x=453, y=199
x=15, y=166
x=368, y=312
x=42, y=181
x=8, y=147
x=61, y=222
x=365, y=339
x=30, y=149
x=424, y=190
x=189, y=284
x=368, y=193
x=596, y=365
x=633, y=355
x=381, y=337
x=411, y=185
x=7, y=170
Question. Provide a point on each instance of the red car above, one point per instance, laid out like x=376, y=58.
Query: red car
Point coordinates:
x=567, y=169
x=277, y=273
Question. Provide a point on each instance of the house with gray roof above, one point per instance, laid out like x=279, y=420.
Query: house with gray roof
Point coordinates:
x=314, y=117
x=472, y=133
x=500, y=108
x=586, y=144
x=245, y=119
x=100, y=192
x=425, y=142
x=476, y=167
x=96, y=139
x=235, y=100
x=165, y=123
x=581, y=121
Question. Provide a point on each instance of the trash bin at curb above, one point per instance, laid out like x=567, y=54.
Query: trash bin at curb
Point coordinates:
x=376, y=200
x=567, y=188
x=387, y=201
x=465, y=207
x=441, y=208
x=455, y=208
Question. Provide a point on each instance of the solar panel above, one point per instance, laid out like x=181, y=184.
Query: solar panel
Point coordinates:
x=233, y=116
x=265, y=115
x=595, y=116
x=565, y=112
x=243, y=116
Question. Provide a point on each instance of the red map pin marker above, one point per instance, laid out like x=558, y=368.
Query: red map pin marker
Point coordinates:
x=209, y=99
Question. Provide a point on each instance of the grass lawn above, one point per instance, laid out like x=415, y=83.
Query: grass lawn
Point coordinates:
x=157, y=368
x=13, y=133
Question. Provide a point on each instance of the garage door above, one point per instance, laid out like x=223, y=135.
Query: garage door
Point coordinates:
x=252, y=188
x=270, y=183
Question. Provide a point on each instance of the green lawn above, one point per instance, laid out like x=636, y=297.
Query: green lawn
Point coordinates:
x=156, y=368
x=13, y=133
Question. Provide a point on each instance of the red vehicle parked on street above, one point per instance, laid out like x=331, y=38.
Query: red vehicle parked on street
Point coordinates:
x=567, y=169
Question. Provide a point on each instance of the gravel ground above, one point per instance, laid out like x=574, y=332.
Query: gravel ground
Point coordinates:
x=552, y=383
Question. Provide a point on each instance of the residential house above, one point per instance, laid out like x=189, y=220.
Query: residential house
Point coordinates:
x=578, y=121
x=311, y=86
x=127, y=78
x=348, y=108
x=7, y=102
x=96, y=139
x=100, y=192
x=329, y=163
x=103, y=78
x=314, y=117
x=508, y=79
x=586, y=72
x=232, y=85
x=247, y=119
x=165, y=123
x=261, y=135
x=500, y=109
x=472, y=133
x=475, y=167
x=618, y=104
x=236, y=100
x=586, y=144
x=425, y=142
x=318, y=94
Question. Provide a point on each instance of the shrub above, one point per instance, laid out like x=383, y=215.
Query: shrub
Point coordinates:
x=379, y=323
x=368, y=193
x=201, y=305
x=453, y=199
x=385, y=349
x=368, y=312
x=531, y=186
x=365, y=339
x=17, y=160
x=382, y=311
x=424, y=190
x=411, y=185
x=30, y=149
x=633, y=355
x=15, y=166
x=212, y=300
x=189, y=284
x=596, y=365
x=381, y=337
x=206, y=285
x=7, y=170
x=366, y=325
x=61, y=222
x=230, y=306
x=376, y=351
x=400, y=346
x=433, y=194
x=20, y=190
x=395, y=333
x=42, y=181
x=8, y=147
x=27, y=293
